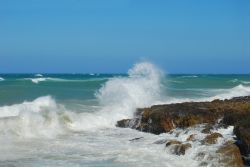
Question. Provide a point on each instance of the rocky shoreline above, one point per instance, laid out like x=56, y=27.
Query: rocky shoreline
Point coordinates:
x=218, y=113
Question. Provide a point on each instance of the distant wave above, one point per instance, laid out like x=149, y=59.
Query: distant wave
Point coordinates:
x=2, y=79
x=41, y=79
x=39, y=75
x=189, y=76
x=239, y=81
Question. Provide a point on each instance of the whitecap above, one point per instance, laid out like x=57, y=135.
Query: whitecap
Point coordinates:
x=189, y=76
x=39, y=75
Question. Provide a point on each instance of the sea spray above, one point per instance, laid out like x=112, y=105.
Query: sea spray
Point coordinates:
x=120, y=96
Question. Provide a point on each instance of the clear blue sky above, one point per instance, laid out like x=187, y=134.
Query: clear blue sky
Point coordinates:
x=106, y=36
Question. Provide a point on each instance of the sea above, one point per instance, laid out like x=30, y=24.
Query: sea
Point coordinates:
x=69, y=120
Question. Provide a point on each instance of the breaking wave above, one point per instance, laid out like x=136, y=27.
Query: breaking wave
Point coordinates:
x=119, y=97
x=2, y=79
x=240, y=81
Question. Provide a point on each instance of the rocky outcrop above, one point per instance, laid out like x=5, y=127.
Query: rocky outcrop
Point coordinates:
x=164, y=118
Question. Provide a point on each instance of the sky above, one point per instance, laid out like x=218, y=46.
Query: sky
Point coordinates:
x=109, y=36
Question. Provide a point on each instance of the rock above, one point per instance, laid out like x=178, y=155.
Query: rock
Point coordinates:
x=191, y=137
x=160, y=141
x=177, y=147
x=172, y=142
x=163, y=118
x=211, y=139
x=207, y=129
x=227, y=155
x=243, y=134
x=230, y=156
x=123, y=123
x=128, y=123
x=137, y=138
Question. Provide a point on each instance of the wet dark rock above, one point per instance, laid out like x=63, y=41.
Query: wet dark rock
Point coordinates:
x=172, y=142
x=212, y=138
x=191, y=137
x=230, y=156
x=128, y=123
x=207, y=129
x=178, y=147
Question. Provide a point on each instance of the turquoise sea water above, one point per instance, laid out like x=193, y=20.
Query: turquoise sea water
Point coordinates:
x=69, y=119
x=16, y=88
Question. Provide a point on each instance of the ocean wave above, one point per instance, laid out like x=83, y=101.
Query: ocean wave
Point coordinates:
x=189, y=76
x=38, y=75
x=236, y=91
x=239, y=81
x=2, y=79
x=119, y=97
x=41, y=79
x=221, y=94
x=31, y=119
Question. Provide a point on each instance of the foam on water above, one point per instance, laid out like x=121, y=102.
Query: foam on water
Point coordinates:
x=2, y=79
x=39, y=118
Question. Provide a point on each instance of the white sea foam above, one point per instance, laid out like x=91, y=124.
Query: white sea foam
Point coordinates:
x=37, y=80
x=2, y=79
x=39, y=75
x=31, y=119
